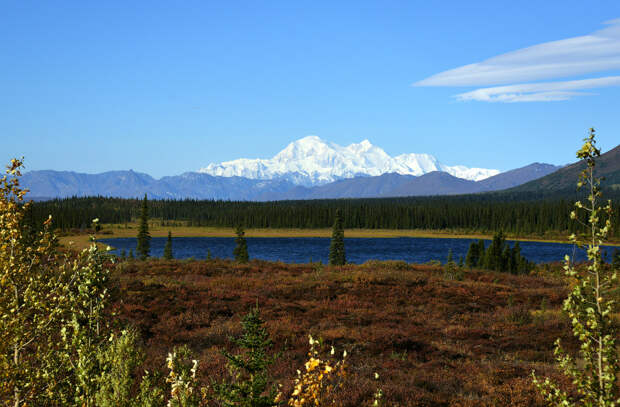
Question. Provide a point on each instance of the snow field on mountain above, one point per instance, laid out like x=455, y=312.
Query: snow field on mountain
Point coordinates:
x=312, y=161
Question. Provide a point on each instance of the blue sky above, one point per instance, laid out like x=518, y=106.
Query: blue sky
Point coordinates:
x=168, y=87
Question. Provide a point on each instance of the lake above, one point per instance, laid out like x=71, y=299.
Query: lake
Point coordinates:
x=358, y=250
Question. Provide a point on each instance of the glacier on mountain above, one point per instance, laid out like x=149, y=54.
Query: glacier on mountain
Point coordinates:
x=312, y=161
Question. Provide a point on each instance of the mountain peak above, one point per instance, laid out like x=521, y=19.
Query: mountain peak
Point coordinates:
x=364, y=146
x=313, y=161
x=309, y=139
x=306, y=143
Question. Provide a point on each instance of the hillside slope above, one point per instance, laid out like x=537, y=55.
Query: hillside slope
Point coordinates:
x=432, y=183
x=607, y=166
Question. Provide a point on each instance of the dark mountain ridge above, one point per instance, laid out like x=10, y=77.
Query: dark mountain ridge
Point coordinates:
x=131, y=184
x=565, y=179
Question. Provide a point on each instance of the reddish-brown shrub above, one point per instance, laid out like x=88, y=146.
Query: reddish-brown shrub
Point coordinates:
x=434, y=342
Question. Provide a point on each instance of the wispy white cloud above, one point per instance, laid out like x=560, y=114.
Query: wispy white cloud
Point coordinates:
x=596, y=52
x=538, y=92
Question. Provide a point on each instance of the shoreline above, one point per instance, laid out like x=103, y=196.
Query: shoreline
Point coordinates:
x=119, y=231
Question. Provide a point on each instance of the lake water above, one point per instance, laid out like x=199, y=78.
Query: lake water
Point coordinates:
x=358, y=250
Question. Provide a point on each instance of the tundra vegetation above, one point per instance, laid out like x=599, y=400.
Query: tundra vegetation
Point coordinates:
x=82, y=328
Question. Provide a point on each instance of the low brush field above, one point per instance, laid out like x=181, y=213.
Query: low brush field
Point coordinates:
x=432, y=340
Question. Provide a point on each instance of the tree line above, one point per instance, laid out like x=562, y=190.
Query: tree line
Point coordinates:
x=514, y=214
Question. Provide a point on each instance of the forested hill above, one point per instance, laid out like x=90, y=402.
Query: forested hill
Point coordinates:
x=519, y=213
x=563, y=180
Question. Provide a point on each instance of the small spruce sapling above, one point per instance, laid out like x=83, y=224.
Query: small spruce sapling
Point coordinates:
x=450, y=269
x=450, y=257
x=250, y=385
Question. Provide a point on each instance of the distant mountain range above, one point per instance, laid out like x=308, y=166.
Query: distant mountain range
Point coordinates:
x=130, y=184
x=311, y=168
x=432, y=183
x=308, y=168
x=311, y=161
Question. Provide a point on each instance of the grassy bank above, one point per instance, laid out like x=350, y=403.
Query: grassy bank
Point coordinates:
x=178, y=230
x=157, y=230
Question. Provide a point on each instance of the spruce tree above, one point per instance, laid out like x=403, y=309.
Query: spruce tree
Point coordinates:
x=168, y=248
x=251, y=382
x=450, y=269
x=144, y=238
x=473, y=255
x=522, y=265
x=494, y=255
x=481, y=251
x=450, y=257
x=241, y=250
x=509, y=260
x=615, y=260
x=336, y=249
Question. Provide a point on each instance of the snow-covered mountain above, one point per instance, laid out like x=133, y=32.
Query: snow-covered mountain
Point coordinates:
x=312, y=161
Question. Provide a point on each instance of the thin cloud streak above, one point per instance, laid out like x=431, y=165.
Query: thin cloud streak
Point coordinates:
x=596, y=52
x=538, y=92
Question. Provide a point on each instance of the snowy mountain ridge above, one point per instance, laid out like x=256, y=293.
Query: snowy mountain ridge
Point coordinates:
x=312, y=161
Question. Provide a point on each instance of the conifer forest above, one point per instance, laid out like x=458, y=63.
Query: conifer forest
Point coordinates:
x=527, y=214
